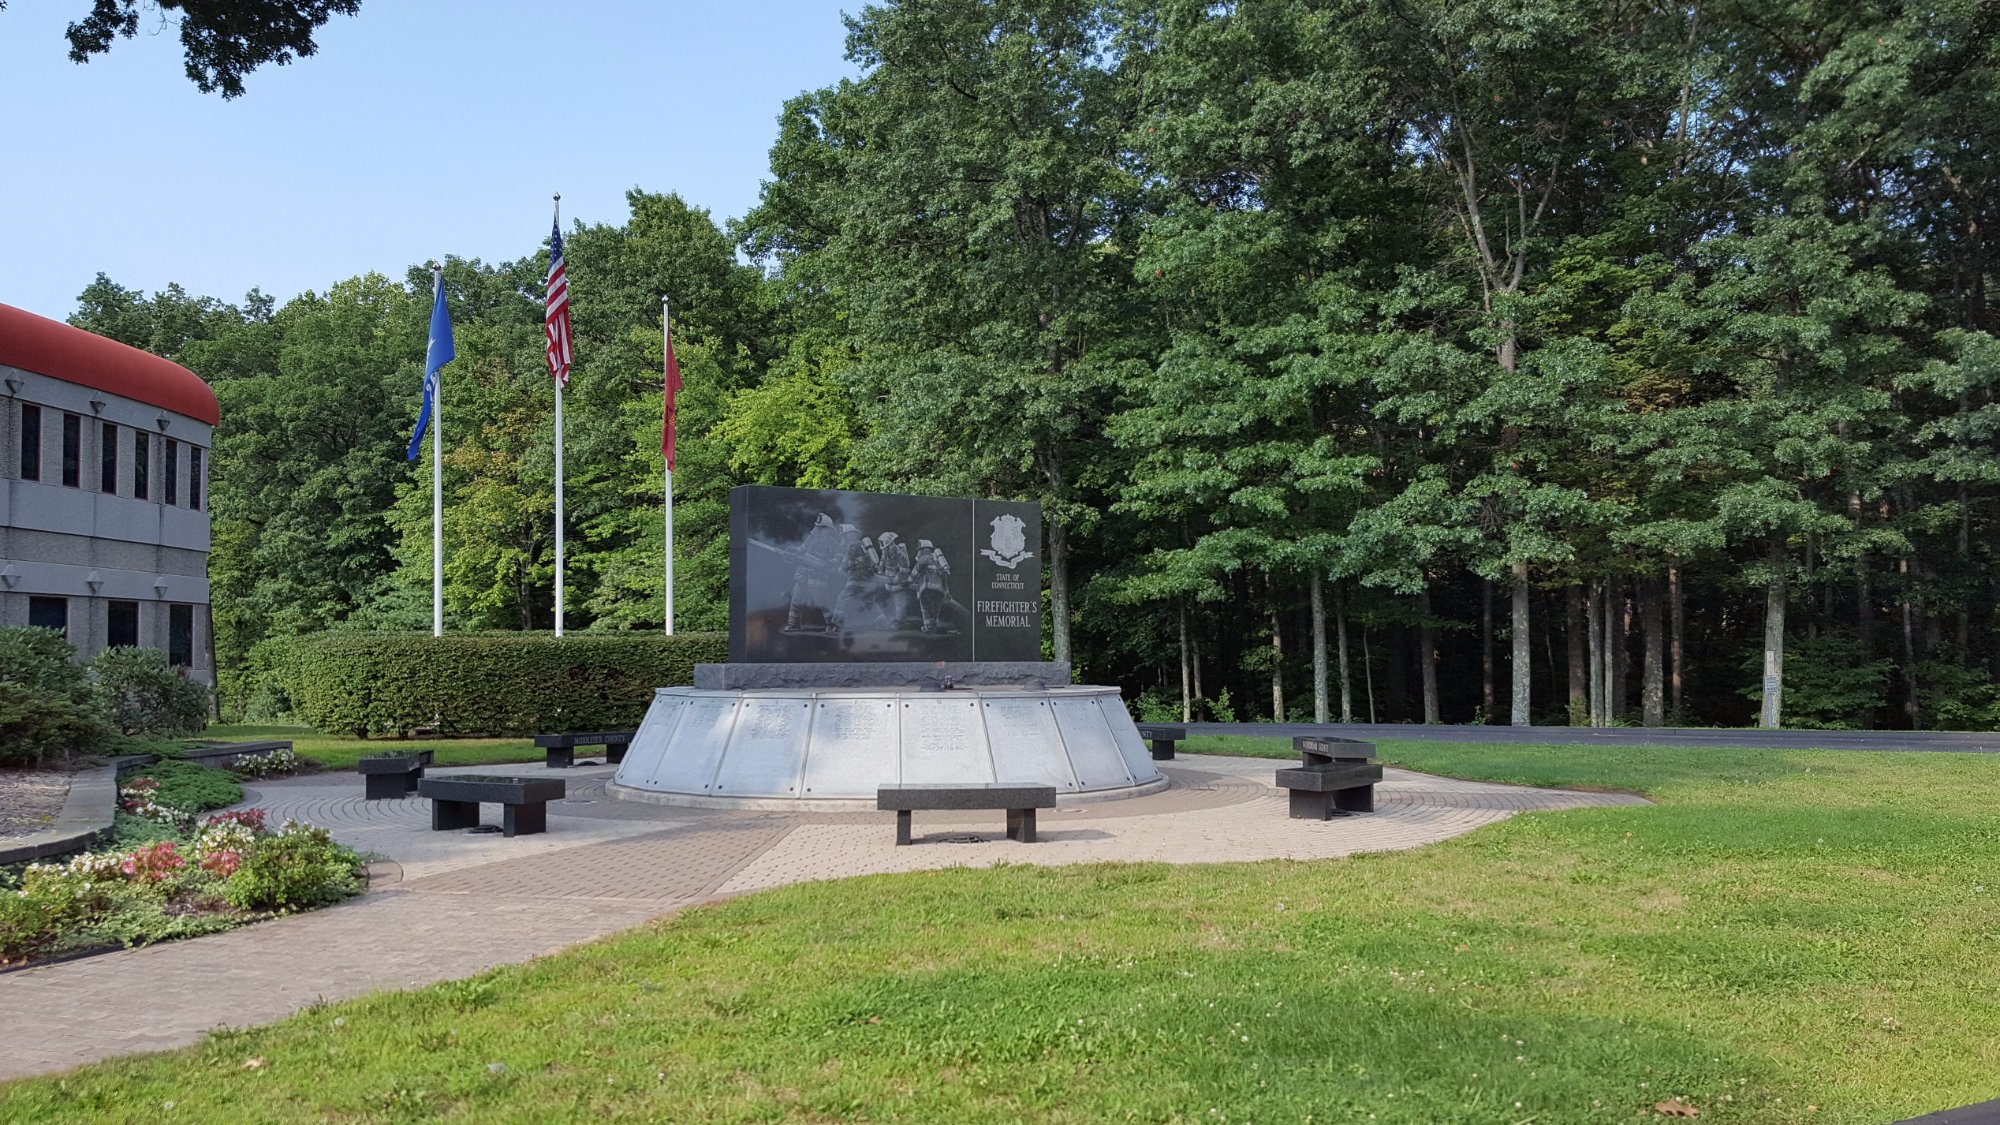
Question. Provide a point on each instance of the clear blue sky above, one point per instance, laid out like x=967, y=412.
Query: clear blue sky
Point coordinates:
x=420, y=128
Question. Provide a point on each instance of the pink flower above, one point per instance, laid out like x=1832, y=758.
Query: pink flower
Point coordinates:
x=223, y=863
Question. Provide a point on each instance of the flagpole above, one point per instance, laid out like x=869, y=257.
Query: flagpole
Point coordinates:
x=437, y=487
x=559, y=477
x=666, y=337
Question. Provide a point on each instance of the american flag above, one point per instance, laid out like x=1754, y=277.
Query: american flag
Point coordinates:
x=558, y=310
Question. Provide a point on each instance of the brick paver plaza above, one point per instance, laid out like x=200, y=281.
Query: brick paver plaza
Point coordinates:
x=453, y=904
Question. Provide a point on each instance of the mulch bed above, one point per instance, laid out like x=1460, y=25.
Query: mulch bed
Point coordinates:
x=30, y=800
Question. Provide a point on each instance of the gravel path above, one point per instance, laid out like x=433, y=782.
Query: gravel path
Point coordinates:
x=30, y=800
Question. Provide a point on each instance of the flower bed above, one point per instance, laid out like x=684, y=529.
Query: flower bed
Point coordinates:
x=170, y=874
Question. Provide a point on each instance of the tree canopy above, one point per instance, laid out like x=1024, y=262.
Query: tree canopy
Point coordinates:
x=1428, y=360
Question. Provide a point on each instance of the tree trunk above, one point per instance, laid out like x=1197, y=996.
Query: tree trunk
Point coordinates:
x=1194, y=659
x=1187, y=695
x=1487, y=709
x=1674, y=632
x=1277, y=662
x=1427, y=656
x=1594, y=614
x=1368, y=673
x=1574, y=636
x=1340, y=629
x=1059, y=591
x=1523, y=671
x=1319, y=650
x=1771, y=715
x=1910, y=710
x=1653, y=694
x=1621, y=651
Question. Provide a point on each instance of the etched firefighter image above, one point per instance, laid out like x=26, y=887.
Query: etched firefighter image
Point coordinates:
x=929, y=575
x=846, y=582
x=813, y=582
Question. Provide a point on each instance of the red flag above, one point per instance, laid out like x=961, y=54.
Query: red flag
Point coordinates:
x=673, y=390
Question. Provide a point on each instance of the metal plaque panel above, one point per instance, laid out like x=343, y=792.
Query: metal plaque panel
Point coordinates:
x=649, y=742
x=1092, y=751
x=825, y=576
x=1027, y=748
x=1125, y=733
x=766, y=750
x=699, y=739
x=944, y=741
x=854, y=747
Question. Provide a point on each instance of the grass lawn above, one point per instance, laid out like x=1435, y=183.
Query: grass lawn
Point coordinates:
x=1787, y=936
x=341, y=752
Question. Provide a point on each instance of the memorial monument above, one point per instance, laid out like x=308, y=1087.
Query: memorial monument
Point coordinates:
x=881, y=639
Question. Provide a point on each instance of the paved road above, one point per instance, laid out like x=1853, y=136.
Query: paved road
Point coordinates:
x=1974, y=742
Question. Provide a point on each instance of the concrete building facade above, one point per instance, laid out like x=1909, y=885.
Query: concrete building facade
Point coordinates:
x=104, y=456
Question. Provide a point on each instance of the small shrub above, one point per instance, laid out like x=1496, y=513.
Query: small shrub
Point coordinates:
x=272, y=763
x=154, y=863
x=300, y=866
x=188, y=787
x=1154, y=705
x=1830, y=684
x=142, y=694
x=46, y=708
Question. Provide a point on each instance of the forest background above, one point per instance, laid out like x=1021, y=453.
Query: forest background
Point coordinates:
x=1406, y=360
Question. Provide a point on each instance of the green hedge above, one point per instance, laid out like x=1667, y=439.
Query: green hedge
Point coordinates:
x=491, y=683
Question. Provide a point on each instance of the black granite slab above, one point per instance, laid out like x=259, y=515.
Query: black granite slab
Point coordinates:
x=985, y=795
x=917, y=674
x=826, y=576
x=1326, y=779
x=493, y=790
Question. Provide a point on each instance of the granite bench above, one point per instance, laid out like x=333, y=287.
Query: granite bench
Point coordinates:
x=387, y=777
x=1160, y=738
x=562, y=747
x=1020, y=801
x=1338, y=776
x=523, y=801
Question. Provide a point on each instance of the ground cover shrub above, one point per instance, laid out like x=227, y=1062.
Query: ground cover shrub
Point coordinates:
x=171, y=881
x=46, y=706
x=513, y=683
x=295, y=868
x=186, y=786
x=271, y=763
x=140, y=693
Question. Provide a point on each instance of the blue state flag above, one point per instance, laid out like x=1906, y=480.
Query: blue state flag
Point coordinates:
x=437, y=355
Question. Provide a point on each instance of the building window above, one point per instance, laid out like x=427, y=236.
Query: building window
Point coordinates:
x=124, y=625
x=107, y=460
x=72, y=451
x=31, y=442
x=142, y=448
x=194, y=477
x=172, y=478
x=180, y=635
x=49, y=613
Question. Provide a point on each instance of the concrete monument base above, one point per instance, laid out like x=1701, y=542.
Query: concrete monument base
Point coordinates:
x=810, y=748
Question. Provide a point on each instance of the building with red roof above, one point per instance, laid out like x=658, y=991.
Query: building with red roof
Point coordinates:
x=104, y=454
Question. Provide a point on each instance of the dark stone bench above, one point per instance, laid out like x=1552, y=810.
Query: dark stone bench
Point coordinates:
x=387, y=777
x=1338, y=776
x=562, y=747
x=1161, y=738
x=1020, y=801
x=524, y=801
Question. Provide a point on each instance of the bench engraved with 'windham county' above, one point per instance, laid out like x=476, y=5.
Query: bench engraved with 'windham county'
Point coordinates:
x=1020, y=801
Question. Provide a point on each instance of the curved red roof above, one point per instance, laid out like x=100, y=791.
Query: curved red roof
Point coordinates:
x=52, y=348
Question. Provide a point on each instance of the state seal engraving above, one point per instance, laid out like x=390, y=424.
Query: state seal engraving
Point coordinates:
x=1008, y=542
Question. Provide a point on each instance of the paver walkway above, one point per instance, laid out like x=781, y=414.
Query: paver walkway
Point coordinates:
x=452, y=904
